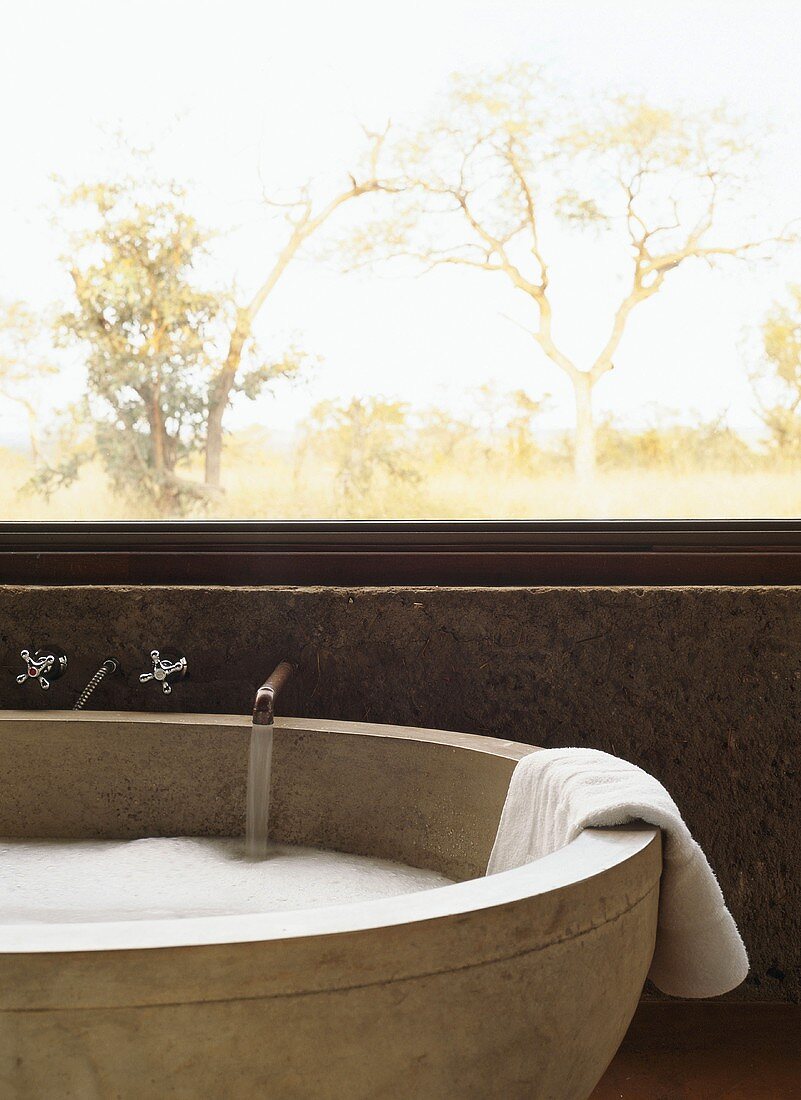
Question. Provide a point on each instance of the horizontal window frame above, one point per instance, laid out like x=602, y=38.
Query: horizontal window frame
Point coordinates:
x=406, y=553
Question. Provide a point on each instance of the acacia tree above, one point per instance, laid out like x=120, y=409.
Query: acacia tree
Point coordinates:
x=25, y=363
x=510, y=162
x=777, y=379
x=166, y=354
x=147, y=326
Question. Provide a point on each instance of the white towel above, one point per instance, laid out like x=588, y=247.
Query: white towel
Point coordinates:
x=556, y=793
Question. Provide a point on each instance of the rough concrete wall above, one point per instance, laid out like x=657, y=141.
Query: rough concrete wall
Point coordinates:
x=700, y=686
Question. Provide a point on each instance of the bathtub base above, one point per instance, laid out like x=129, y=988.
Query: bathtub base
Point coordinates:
x=544, y=1022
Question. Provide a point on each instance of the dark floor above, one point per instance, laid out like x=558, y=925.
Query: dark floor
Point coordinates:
x=708, y=1051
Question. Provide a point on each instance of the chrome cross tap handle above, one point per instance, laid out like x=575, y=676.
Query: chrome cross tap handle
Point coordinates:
x=167, y=670
x=45, y=664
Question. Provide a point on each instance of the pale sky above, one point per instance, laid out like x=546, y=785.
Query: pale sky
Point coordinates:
x=235, y=93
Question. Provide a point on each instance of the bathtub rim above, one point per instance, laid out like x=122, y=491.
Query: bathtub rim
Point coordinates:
x=591, y=855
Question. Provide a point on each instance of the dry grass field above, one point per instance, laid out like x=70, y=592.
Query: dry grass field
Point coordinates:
x=275, y=486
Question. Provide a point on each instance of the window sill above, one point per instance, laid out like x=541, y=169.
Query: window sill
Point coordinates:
x=624, y=552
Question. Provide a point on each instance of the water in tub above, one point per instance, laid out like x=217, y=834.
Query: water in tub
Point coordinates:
x=83, y=880
x=90, y=880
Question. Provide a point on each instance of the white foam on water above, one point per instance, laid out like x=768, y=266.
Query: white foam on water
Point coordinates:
x=102, y=880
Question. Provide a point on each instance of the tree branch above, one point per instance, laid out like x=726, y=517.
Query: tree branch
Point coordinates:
x=543, y=336
x=304, y=223
x=650, y=270
x=693, y=250
x=530, y=210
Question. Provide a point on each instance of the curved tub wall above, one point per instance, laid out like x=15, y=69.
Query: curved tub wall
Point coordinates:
x=517, y=985
x=124, y=775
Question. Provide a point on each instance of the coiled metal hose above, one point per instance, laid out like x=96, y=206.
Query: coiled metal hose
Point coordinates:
x=109, y=665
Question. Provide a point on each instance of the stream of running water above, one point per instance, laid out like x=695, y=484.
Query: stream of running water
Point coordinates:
x=258, y=796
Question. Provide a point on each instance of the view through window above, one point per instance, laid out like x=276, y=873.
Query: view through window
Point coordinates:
x=524, y=259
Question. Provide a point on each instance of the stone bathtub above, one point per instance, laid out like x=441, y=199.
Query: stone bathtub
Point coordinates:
x=517, y=985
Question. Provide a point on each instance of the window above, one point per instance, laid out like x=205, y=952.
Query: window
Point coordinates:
x=451, y=261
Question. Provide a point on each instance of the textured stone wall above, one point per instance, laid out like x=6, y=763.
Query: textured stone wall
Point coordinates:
x=702, y=687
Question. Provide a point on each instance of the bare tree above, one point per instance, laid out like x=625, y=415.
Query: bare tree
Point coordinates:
x=510, y=161
x=305, y=215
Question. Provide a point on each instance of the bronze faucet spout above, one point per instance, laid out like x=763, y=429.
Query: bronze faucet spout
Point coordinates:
x=264, y=707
